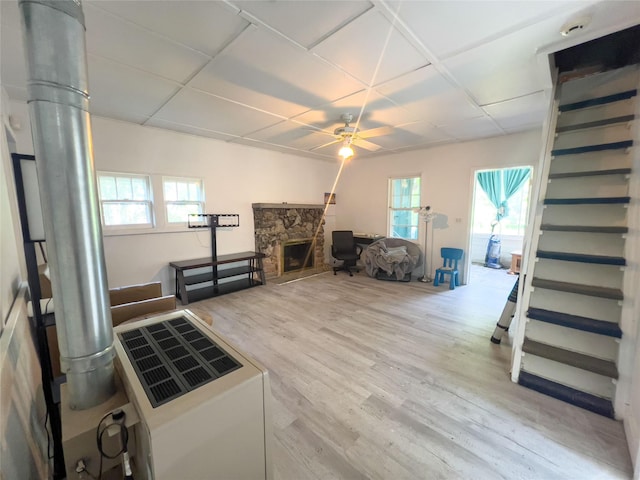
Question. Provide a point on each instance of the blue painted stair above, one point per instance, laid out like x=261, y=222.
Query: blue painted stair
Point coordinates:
x=591, y=173
x=592, y=148
x=576, y=322
x=592, y=102
x=587, y=201
x=584, y=400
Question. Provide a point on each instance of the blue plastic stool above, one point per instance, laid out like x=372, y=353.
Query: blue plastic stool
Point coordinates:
x=450, y=267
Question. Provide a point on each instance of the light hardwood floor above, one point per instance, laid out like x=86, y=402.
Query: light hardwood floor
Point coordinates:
x=386, y=380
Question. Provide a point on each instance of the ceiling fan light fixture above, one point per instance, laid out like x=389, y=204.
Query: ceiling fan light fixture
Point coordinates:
x=346, y=151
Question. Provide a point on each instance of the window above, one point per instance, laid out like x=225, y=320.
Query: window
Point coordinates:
x=125, y=200
x=404, y=197
x=182, y=196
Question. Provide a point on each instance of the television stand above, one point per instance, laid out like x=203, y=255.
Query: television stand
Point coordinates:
x=241, y=274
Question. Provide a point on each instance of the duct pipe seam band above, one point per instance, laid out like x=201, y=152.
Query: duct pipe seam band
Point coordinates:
x=89, y=363
x=43, y=91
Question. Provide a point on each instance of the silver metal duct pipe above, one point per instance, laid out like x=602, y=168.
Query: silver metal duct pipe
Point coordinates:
x=59, y=108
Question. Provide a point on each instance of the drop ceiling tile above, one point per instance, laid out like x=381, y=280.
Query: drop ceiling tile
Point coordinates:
x=447, y=27
x=378, y=112
x=413, y=134
x=472, y=128
x=267, y=72
x=291, y=134
x=119, y=91
x=113, y=38
x=520, y=112
x=505, y=82
x=430, y=97
x=305, y=22
x=358, y=47
x=203, y=26
x=278, y=148
x=177, y=127
x=201, y=110
x=506, y=67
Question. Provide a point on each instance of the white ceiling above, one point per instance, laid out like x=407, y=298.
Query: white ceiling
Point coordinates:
x=279, y=74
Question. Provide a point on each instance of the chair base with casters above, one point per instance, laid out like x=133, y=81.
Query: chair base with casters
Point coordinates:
x=348, y=266
x=344, y=248
x=451, y=257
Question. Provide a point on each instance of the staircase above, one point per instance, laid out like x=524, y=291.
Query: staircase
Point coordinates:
x=573, y=289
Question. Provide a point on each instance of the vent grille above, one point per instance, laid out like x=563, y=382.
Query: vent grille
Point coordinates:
x=174, y=357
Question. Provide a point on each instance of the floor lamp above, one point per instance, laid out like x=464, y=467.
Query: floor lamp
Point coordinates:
x=427, y=215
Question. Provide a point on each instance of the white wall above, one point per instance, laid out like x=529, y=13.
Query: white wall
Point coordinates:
x=447, y=185
x=12, y=265
x=24, y=442
x=235, y=176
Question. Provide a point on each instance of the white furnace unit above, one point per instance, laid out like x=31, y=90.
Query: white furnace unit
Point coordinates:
x=204, y=406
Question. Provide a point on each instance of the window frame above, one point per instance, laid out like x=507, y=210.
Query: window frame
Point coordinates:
x=167, y=203
x=148, y=203
x=411, y=209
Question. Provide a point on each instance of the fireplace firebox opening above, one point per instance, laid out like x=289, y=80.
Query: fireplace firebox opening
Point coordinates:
x=297, y=255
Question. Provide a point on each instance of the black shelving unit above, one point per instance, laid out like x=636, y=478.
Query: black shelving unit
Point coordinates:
x=40, y=321
x=207, y=285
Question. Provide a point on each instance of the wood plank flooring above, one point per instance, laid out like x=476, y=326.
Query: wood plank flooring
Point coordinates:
x=386, y=380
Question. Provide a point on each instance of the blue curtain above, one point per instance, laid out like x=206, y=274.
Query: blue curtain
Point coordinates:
x=500, y=185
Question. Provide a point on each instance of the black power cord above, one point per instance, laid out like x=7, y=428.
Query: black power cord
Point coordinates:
x=118, y=416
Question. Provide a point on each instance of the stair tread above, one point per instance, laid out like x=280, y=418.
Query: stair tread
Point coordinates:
x=583, y=228
x=592, y=148
x=576, y=322
x=568, y=357
x=596, y=123
x=588, y=401
x=581, y=257
x=579, y=288
x=587, y=201
x=591, y=173
x=616, y=97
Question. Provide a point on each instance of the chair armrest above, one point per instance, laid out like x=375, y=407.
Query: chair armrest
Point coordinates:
x=358, y=250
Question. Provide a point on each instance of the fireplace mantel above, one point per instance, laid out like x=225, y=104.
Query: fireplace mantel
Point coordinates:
x=285, y=205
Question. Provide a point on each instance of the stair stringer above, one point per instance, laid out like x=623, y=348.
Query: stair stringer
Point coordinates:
x=627, y=400
x=531, y=239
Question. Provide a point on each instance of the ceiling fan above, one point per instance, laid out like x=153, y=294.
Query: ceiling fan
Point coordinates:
x=348, y=136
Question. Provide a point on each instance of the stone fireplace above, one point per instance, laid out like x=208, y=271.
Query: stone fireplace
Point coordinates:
x=297, y=228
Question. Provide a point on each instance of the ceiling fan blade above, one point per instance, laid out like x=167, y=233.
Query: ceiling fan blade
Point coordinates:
x=376, y=132
x=367, y=145
x=325, y=145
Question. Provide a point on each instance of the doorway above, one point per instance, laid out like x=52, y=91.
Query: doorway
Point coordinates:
x=499, y=214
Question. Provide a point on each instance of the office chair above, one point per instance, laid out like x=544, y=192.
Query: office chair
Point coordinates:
x=344, y=248
x=449, y=267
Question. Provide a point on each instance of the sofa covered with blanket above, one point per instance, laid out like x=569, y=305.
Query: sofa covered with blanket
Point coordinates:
x=392, y=259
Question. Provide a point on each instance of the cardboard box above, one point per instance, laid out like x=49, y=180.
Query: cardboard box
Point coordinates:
x=127, y=303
